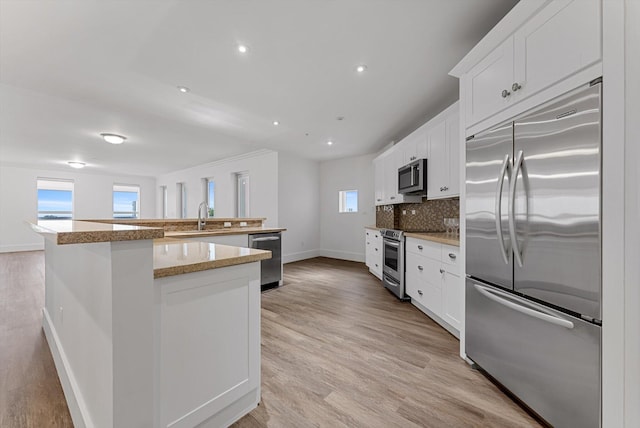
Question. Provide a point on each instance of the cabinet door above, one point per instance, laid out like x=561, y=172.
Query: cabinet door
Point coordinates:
x=391, y=177
x=452, y=299
x=486, y=81
x=378, y=177
x=437, y=174
x=453, y=155
x=423, y=282
x=368, y=247
x=561, y=40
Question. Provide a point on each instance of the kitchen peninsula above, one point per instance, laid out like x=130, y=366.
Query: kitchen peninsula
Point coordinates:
x=151, y=331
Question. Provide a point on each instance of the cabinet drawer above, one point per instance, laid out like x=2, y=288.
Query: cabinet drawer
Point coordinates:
x=424, y=248
x=427, y=294
x=451, y=259
x=423, y=268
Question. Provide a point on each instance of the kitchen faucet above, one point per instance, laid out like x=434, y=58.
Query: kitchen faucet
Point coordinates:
x=202, y=219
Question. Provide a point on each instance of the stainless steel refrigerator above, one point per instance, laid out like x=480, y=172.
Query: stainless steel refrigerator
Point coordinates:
x=533, y=245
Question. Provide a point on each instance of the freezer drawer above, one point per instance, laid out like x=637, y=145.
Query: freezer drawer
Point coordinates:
x=550, y=360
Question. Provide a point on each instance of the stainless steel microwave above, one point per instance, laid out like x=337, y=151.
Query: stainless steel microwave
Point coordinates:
x=412, y=178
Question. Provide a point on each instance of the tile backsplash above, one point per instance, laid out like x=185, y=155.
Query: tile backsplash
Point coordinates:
x=427, y=216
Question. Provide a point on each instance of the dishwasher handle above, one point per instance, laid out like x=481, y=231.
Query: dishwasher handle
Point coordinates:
x=267, y=238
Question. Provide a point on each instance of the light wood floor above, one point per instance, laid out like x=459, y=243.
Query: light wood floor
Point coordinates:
x=338, y=350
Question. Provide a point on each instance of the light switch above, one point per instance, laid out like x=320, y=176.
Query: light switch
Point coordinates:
x=227, y=224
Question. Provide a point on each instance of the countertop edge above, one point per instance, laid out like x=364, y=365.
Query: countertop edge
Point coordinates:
x=221, y=232
x=95, y=236
x=208, y=265
x=455, y=242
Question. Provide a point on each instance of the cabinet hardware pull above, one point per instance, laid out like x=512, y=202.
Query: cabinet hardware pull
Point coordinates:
x=515, y=87
x=376, y=264
x=441, y=270
x=452, y=256
x=376, y=249
x=419, y=247
x=505, y=93
x=420, y=292
x=420, y=267
x=393, y=197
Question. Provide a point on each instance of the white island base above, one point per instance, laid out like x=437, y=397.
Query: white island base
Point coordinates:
x=134, y=351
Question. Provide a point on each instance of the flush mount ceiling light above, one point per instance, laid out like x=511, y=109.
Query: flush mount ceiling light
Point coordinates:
x=113, y=138
x=76, y=164
x=329, y=143
x=243, y=48
x=361, y=68
x=184, y=89
x=276, y=123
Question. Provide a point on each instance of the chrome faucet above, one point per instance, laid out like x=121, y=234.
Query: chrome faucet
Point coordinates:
x=202, y=219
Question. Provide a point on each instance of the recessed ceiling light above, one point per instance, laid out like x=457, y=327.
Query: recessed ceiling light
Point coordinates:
x=243, y=48
x=76, y=164
x=113, y=138
x=276, y=123
x=183, y=89
x=361, y=68
x=330, y=142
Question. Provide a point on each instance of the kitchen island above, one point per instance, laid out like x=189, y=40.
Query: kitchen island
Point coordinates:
x=151, y=331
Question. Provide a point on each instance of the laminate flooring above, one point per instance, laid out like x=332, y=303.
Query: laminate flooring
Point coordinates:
x=338, y=350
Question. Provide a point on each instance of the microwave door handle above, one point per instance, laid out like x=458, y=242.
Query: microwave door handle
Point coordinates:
x=498, y=208
x=412, y=176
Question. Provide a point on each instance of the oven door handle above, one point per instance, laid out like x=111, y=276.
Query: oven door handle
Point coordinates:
x=393, y=244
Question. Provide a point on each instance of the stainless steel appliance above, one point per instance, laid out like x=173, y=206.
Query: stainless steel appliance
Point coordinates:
x=412, y=178
x=270, y=269
x=393, y=261
x=533, y=287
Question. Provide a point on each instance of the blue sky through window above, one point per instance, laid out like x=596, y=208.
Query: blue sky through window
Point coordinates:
x=55, y=204
x=211, y=188
x=351, y=200
x=125, y=204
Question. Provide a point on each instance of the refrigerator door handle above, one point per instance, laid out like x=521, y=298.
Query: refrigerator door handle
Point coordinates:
x=494, y=295
x=498, y=208
x=512, y=206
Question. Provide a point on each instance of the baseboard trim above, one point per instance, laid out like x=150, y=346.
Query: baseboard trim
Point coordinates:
x=343, y=255
x=21, y=247
x=303, y=255
x=77, y=407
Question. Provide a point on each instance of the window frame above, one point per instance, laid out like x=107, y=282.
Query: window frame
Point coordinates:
x=56, y=180
x=119, y=187
x=342, y=201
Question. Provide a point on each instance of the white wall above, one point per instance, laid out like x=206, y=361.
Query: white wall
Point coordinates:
x=299, y=207
x=342, y=234
x=262, y=167
x=92, y=198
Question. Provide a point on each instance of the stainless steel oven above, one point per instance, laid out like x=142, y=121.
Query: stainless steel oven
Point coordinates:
x=393, y=262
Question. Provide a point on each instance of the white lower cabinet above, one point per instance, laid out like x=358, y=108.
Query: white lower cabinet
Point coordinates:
x=373, y=251
x=433, y=283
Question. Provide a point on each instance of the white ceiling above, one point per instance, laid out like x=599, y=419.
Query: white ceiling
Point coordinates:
x=70, y=69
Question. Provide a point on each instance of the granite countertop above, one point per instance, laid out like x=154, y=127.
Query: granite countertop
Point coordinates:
x=439, y=237
x=84, y=232
x=180, y=256
x=219, y=232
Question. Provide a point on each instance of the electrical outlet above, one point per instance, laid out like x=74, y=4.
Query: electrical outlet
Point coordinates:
x=243, y=224
x=227, y=224
x=404, y=212
x=413, y=212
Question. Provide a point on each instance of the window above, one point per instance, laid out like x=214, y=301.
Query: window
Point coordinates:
x=165, y=198
x=55, y=199
x=348, y=201
x=211, y=200
x=181, y=200
x=242, y=199
x=126, y=201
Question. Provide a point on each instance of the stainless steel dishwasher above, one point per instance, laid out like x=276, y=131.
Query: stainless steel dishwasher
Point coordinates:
x=270, y=269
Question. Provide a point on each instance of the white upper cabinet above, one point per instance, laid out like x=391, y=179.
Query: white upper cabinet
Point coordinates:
x=489, y=82
x=415, y=145
x=385, y=170
x=556, y=42
x=560, y=40
x=443, y=165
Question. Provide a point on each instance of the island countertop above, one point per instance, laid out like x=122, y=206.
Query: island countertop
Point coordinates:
x=84, y=232
x=180, y=256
